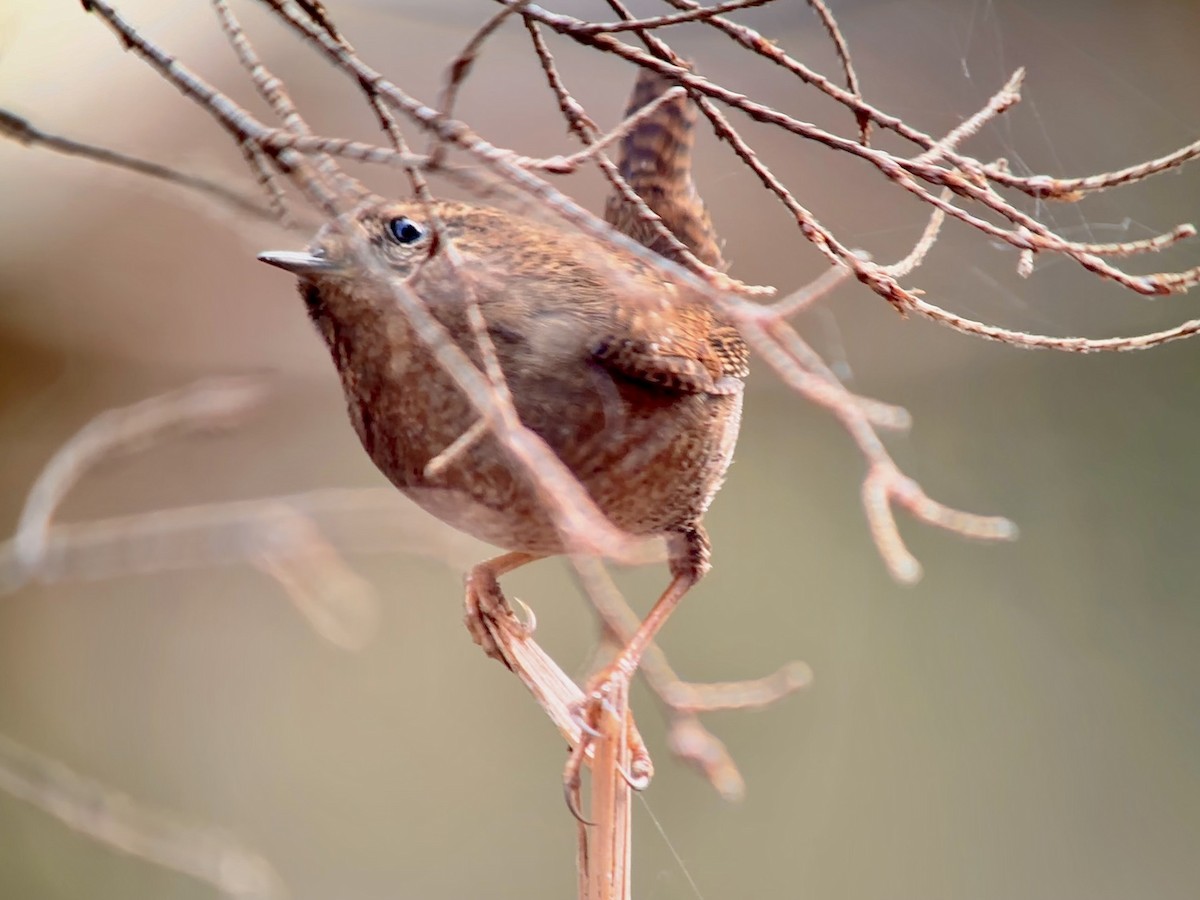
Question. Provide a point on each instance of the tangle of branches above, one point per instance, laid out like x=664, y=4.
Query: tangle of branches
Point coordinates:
x=293, y=161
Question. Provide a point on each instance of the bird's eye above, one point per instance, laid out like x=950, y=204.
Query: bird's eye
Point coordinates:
x=405, y=231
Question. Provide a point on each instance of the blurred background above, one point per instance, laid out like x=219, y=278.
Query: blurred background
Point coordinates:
x=1023, y=723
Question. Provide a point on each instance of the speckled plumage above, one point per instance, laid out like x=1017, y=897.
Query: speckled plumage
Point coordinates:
x=618, y=372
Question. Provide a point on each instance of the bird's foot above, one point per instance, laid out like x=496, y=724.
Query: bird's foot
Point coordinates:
x=589, y=715
x=486, y=608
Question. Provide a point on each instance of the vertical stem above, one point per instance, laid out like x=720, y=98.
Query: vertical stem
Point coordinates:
x=609, y=841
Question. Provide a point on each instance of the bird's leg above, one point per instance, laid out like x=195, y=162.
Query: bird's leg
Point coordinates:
x=485, y=601
x=486, y=610
x=689, y=560
x=683, y=702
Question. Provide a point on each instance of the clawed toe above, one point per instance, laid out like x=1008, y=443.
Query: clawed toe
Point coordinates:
x=486, y=609
x=588, y=715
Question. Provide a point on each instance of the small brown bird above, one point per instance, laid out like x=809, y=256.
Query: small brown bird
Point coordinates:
x=634, y=382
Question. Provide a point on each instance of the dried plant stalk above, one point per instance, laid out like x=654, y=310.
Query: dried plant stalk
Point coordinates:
x=607, y=860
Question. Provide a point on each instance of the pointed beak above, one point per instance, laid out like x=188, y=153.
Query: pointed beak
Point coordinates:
x=298, y=263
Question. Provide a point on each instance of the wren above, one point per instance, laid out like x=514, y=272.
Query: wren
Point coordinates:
x=633, y=381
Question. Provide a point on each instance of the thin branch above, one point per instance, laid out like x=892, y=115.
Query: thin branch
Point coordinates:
x=23, y=131
x=1029, y=341
x=843, y=53
x=270, y=88
x=563, y=165
x=117, y=822
x=904, y=267
x=649, y=24
x=582, y=125
x=683, y=702
x=206, y=404
x=276, y=536
x=1003, y=100
x=1154, y=244
x=1045, y=187
x=462, y=64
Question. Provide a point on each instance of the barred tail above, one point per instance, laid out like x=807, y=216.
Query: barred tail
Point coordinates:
x=656, y=159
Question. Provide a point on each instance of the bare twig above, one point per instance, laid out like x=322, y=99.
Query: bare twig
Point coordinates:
x=461, y=66
x=23, y=131
x=387, y=122
x=683, y=702
x=207, y=404
x=563, y=165
x=583, y=126
x=1045, y=187
x=115, y=821
x=277, y=536
x=1003, y=100
x=649, y=24
x=270, y=88
x=843, y=52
